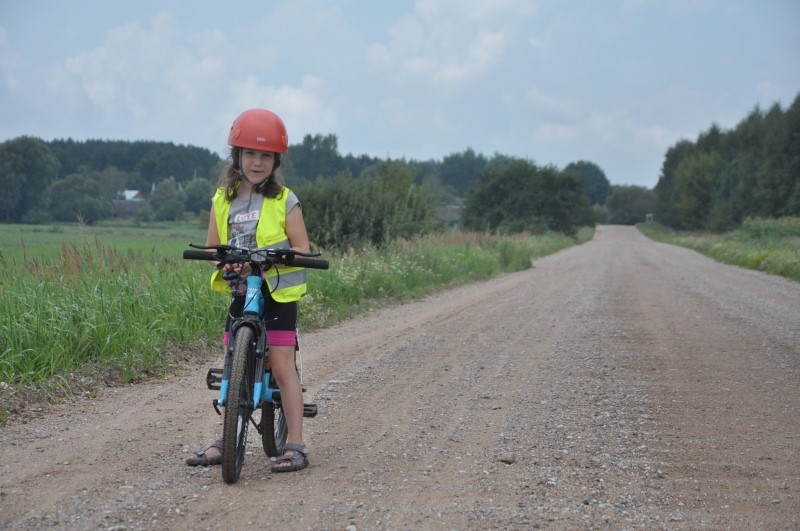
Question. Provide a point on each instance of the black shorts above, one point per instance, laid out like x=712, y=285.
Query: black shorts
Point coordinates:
x=277, y=315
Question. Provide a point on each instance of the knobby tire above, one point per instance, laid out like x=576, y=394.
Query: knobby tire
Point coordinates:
x=238, y=408
x=274, y=430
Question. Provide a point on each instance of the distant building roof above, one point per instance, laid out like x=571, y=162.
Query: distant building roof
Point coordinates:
x=133, y=195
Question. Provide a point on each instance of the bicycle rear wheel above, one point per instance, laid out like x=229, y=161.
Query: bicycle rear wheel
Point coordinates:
x=238, y=407
x=274, y=430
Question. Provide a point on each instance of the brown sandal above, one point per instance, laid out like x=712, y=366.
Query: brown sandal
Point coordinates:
x=199, y=458
x=296, y=455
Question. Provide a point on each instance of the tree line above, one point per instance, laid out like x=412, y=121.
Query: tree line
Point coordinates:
x=724, y=177
x=348, y=199
x=712, y=183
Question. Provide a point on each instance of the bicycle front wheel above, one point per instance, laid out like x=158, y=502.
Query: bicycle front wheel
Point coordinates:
x=238, y=407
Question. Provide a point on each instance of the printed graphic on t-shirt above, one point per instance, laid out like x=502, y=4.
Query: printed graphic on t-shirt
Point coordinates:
x=243, y=220
x=245, y=217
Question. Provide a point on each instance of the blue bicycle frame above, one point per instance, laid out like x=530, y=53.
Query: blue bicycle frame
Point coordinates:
x=254, y=384
x=252, y=316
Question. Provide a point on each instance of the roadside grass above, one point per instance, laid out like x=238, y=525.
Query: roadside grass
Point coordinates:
x=362, y=279
x=768, y=245
x=106, y=305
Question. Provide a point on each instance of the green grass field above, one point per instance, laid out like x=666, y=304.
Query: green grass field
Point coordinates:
x=45, y=241
x=99, y=304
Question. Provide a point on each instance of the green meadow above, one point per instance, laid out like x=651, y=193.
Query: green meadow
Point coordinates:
x=83, y=305
x=18, y=242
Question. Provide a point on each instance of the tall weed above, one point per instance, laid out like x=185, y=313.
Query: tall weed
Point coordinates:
x=769, y=228
x=96, y=307
x=124, y=314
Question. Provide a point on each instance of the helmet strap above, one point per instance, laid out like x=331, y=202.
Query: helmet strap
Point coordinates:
x=260, y=187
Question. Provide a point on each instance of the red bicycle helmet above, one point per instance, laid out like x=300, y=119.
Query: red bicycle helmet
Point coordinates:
x=259, y=129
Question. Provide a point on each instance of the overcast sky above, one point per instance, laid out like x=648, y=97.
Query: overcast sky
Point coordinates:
x=615, y=82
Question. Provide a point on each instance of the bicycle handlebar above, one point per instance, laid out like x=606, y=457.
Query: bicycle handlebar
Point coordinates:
x=226, y=254
x=311, y=263
x=190, y=254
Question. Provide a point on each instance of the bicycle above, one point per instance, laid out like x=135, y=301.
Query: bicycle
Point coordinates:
x=241, y=393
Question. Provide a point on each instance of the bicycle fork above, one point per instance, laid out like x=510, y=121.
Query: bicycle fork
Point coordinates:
x=217, y=379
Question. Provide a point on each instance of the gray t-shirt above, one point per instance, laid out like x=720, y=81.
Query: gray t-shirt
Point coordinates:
x=243, y=219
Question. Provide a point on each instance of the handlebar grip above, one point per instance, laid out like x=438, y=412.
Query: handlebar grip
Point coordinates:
x=199, y=255
x=299, y=261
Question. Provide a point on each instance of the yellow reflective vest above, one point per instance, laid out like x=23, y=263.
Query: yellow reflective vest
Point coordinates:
x=286, y=284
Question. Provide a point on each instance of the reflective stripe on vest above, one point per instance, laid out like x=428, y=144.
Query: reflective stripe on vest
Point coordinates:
x=287, y=284
x=285, y=277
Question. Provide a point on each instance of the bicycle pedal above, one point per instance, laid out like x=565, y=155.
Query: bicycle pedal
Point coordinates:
x=214, y=379
x=310, y=410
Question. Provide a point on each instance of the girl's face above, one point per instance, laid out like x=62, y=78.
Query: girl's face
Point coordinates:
x=257, y=165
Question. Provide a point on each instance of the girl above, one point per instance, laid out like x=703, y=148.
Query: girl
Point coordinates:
x=252, y=208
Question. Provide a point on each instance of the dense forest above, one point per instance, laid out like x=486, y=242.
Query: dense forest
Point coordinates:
x=348, y=199
x=724, y=177
x=712, y=183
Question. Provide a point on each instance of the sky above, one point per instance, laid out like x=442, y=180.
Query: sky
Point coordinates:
x=613, y=82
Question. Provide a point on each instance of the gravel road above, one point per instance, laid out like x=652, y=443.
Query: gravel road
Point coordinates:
x=620, y=384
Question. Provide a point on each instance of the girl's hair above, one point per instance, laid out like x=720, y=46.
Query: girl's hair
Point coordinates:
x=232, y=176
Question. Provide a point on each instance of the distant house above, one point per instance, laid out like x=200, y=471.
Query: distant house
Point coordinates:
x=132, y=195
x=129, y=203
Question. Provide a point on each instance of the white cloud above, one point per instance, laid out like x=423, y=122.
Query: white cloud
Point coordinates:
x=156, y=82
x=483, y=50
x=302, y=108
x=149, y=78
x=162, y=82
x=448, y=41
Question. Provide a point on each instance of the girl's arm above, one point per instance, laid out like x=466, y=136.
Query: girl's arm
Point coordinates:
x=296, y=230
x=212, y=238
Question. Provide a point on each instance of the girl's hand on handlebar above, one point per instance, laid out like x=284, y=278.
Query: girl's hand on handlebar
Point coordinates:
x=243, y=270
